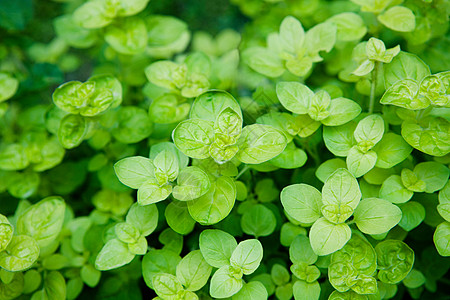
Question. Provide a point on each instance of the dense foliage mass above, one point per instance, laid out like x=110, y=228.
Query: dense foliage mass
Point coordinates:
x=282, y=149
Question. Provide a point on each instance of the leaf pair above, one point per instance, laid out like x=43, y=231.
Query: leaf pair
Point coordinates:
x=89, y=98
x=291, y=49
x=100, y=13
x=427, y=177
x=153, y=177
x=314, y=109
x=37, y=227
x=233, y=260
x=192, y=273
x=327, y=212
x=366, y=146
x=189, y=79
x=129, y=239
x=353, y=267
x=303, y=258
x=376, y=53
x=215, y=130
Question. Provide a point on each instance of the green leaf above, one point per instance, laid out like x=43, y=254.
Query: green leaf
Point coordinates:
x=54, y=286
x=13, y=157
x=217, y=247
x=193, y=137
x=87, y=99
x=342, y=110
x=73, y=34
x=224, y=283
x=300, y=251
x=209, y=105
x=321, y=37
x=359, y=163
x=292, y=35
x=193, y=271
x=284, y=291
x=168, y=109
x=260, y=143
x=430, y=136
x=114, y=254
x=288, y=233
x=341, y=188
x=192, y=183
x=291, y=157
x=398, y=18
x=294, y=96
x=144, y=218
x=164, y=73
x=43, y=221
x=166, y=166
x=90, y=275
x=134, y=171
x=329, y=167
x=91, y=15
x=391, y=150
x=263, y=61
x=280, y=275
x=6, y=232
x=395, y=260
x=216, y=204
x=8, y=86
x=339, y=140
x=441, y=238
x=405, y=66
x=171, y=240
x=376, y=216
x=306, y=291
x=158, y=261
x=132, y=7
x=327, y=237
x=404, y=93
x=126, y=232
x=253, y=290
x=258, y=221
x=306, y=125
x=151, y=192
x=183, y=160
x=393, y=190
x=302, y=202
x=364, y=68
x=350, y=26
x=166, y=286
x=178, y=217
x=247, y=256
x=411, y=182
x=72, y=131
x=414, y=279
x=127, y=36
x=357, y=258
x=369, y=132
x=435, y=175
x=133, y=125
x=20, y=254
x=228, y=125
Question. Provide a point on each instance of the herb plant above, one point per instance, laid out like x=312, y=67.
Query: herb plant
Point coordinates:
x=243, y=149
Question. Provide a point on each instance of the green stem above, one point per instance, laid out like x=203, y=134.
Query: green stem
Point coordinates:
x=244, y=169
x=373, y=87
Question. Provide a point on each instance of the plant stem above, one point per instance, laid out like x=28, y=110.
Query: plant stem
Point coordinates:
x=373, y=87
x=244, y=169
